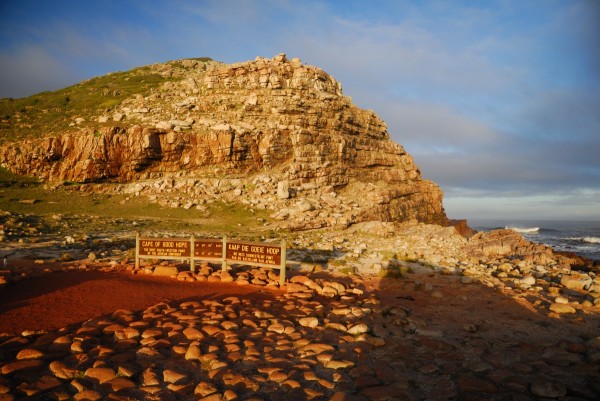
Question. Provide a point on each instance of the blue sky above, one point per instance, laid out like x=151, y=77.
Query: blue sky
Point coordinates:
x=497, y=101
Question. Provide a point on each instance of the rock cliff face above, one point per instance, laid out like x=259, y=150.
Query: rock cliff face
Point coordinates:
x=281, y=121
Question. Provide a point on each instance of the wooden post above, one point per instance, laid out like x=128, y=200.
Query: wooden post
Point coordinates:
x=192, y=251
x=224, y=260
x=283, y=264
x=137, y=251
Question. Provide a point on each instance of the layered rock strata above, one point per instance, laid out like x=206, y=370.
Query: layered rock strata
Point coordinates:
x=235, y=122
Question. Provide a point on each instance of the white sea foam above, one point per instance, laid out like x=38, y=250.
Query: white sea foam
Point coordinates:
x=592, y=240
x=524, y=230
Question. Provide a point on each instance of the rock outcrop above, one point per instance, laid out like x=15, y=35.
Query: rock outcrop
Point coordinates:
x=238, y=121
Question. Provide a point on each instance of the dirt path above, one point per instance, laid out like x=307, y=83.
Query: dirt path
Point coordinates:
x=55, y=300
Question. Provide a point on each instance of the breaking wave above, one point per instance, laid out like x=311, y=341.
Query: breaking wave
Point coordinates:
x=589, y=240
x=524, y=230
x=592, y=240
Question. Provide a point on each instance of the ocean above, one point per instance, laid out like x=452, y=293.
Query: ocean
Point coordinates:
x=580, y=237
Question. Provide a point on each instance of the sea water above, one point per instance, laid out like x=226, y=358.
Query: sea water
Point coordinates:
x=580, y=237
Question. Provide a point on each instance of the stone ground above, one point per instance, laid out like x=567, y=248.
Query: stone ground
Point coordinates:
x=104, y=333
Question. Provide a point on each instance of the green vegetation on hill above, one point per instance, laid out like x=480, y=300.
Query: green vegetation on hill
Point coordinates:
x=8, y=179
x=96, y=211
x=51, y=113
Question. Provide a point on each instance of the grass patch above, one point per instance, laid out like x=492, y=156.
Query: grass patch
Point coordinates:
x=103, y=212
x=50, y=113
x=53, y=112
x=9, y=179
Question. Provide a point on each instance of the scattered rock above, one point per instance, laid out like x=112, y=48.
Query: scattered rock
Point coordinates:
x=548, y=388
x=562, y=308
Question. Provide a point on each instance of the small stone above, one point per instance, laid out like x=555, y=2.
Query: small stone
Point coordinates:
x=171, y=376
x=336, y=326
x=309, y=322
x=429, y=368
x=480, y=366
x=226, y=277
x=61, y=371
x=19, y=366
x=191, y=333
x=87, y=395
x=562, y=308
x=165, y=271
x=100, y=374
x=358, y=329
x=561, y=300
x=283, y=189
x=193, y=353
x=576, y=282
x=211, y=330
x=149, y=378
x=474, y=384
x=318, y=348
x=278, y=376
x=547, y=388
x=527, y=281
x=277, y=328
x=212, y=397
x=119, y=383
x=333, y=364
x=204, y=389
x=40, y=385
x=29, y=353
x=295, y=287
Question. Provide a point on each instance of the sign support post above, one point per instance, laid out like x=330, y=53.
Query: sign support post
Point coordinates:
x=137, y=251
x=224, y=261
x=192, y=258
x=282, y=265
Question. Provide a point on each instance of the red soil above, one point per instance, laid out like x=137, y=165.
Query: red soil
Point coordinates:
x=54, y=300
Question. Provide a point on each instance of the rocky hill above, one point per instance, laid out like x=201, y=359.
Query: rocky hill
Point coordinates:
x=271, y=133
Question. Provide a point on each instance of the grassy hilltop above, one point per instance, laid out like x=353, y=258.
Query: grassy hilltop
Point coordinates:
x=53, y=112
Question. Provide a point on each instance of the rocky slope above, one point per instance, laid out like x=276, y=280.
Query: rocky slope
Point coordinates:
x=271, y=132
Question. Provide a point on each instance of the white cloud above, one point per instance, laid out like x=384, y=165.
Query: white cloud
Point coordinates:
x=577, y=205
x=401, y=57
x=423, y=126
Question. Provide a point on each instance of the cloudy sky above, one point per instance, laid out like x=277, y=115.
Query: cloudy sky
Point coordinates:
x=497, y=101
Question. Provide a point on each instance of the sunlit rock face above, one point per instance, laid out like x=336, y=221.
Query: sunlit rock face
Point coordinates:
x=268, y=117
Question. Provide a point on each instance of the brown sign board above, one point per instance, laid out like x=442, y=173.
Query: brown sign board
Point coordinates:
x=251, y=252
x=209, y=249
x=164, y=248
x=242, y=252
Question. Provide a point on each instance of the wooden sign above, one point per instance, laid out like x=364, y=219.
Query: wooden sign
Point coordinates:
x=190, y=249
x=164, y=248
x=208, y=249
x=252, y=252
